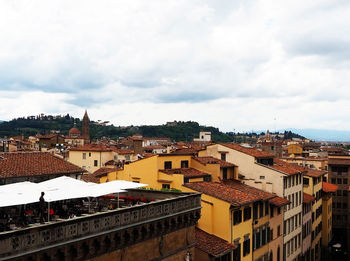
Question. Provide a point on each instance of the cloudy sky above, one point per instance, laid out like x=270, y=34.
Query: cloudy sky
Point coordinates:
x=237, y=65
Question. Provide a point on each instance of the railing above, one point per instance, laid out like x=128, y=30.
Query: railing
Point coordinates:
x=88, y=226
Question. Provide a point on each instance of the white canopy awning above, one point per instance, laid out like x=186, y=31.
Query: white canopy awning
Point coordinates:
x=60, y=188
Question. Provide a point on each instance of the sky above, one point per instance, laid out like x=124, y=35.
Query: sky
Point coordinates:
x=237, y=65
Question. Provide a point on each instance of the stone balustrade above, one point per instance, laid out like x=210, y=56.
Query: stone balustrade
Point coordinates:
x=120, y=225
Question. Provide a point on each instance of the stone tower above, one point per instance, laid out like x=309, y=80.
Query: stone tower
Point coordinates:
x=86, y=128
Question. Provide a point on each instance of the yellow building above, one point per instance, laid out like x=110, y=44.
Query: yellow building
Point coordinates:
x=90, y=157
x=166, y=171
x=295, y=150
x=327, y=201
x=312, y=183
x=239, y=214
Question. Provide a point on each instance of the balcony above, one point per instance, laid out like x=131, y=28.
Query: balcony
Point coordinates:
x=128, y=225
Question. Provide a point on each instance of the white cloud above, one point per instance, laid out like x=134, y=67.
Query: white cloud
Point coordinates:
x=232, y=64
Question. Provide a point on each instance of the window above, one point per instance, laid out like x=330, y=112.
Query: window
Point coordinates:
x=306, y=181
x=266, y=208
x=224, y=173
x=84, y=155
x=167, y=164
x=271, y=234
x=333, y=180
x=255, y=210
x=262, y=177
x=237, y=217
x=278, y=211
x=247, y=213
x=278, y=230
x=345, y=193
x=271, y=211
x=95, y=163
x=339, y=181
x=184, y=163
x=165, y=186
x=261, y=209
x=345, y=181
x=237, y=252
x=246, y=247
x=223, y=156
x=89, y=154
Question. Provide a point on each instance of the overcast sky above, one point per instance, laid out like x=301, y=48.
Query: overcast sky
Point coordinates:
x=236, y=65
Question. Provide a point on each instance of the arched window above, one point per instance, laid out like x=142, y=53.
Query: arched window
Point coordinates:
x=278, y=253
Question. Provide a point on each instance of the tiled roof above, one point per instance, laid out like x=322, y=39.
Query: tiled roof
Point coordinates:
x=327, y=187
x=103, y=171
x=212, y=160
x=154, y=147
x=124, y=151
x=190, y=151
x=279, y=202
x=48, y=136
x=261, y=194
x=223, y=192
x=91, y=147
x=187, y=172
x=307, y=198
x=74, y=130
x=314, y=173
x=211, y=244
x=287, y=168
x=250, y=151
x=22, y=164
x=90, y=178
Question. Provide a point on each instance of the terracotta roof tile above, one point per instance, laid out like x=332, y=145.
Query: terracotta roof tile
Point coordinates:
x=91, y=147
x=327, y=187
x=90, y=178
x=187, y=172
x=307, y=198
x=314, y=173
x=250, y=151
x=23, y=164
x=212, y=160
x=279, y=202
x=287, y=168
x=211, y=244
x=223, y=192
x=104, y=170
x=261, y=194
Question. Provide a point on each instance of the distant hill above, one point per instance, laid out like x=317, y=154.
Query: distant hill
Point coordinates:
x=324, y=134
x=181, y=131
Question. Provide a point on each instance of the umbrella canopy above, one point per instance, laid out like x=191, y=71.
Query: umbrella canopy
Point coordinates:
x=60, y=188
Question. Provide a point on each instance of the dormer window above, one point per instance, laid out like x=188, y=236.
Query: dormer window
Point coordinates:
x=265, y=161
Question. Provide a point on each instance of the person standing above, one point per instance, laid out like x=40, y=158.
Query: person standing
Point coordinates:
x=42, y=207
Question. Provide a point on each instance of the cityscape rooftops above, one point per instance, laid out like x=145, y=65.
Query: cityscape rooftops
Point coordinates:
x=22, y=164
x=228, y=193
x=307, y=198
x=211, y=244
x=92, y=147
x=187, y=172
x=327, y=187
x=250, y=151
x=211, y=160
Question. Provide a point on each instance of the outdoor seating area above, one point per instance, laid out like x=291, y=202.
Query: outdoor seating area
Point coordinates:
x=62, y=201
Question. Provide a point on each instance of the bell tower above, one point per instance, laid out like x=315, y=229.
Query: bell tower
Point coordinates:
x=86, y=128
